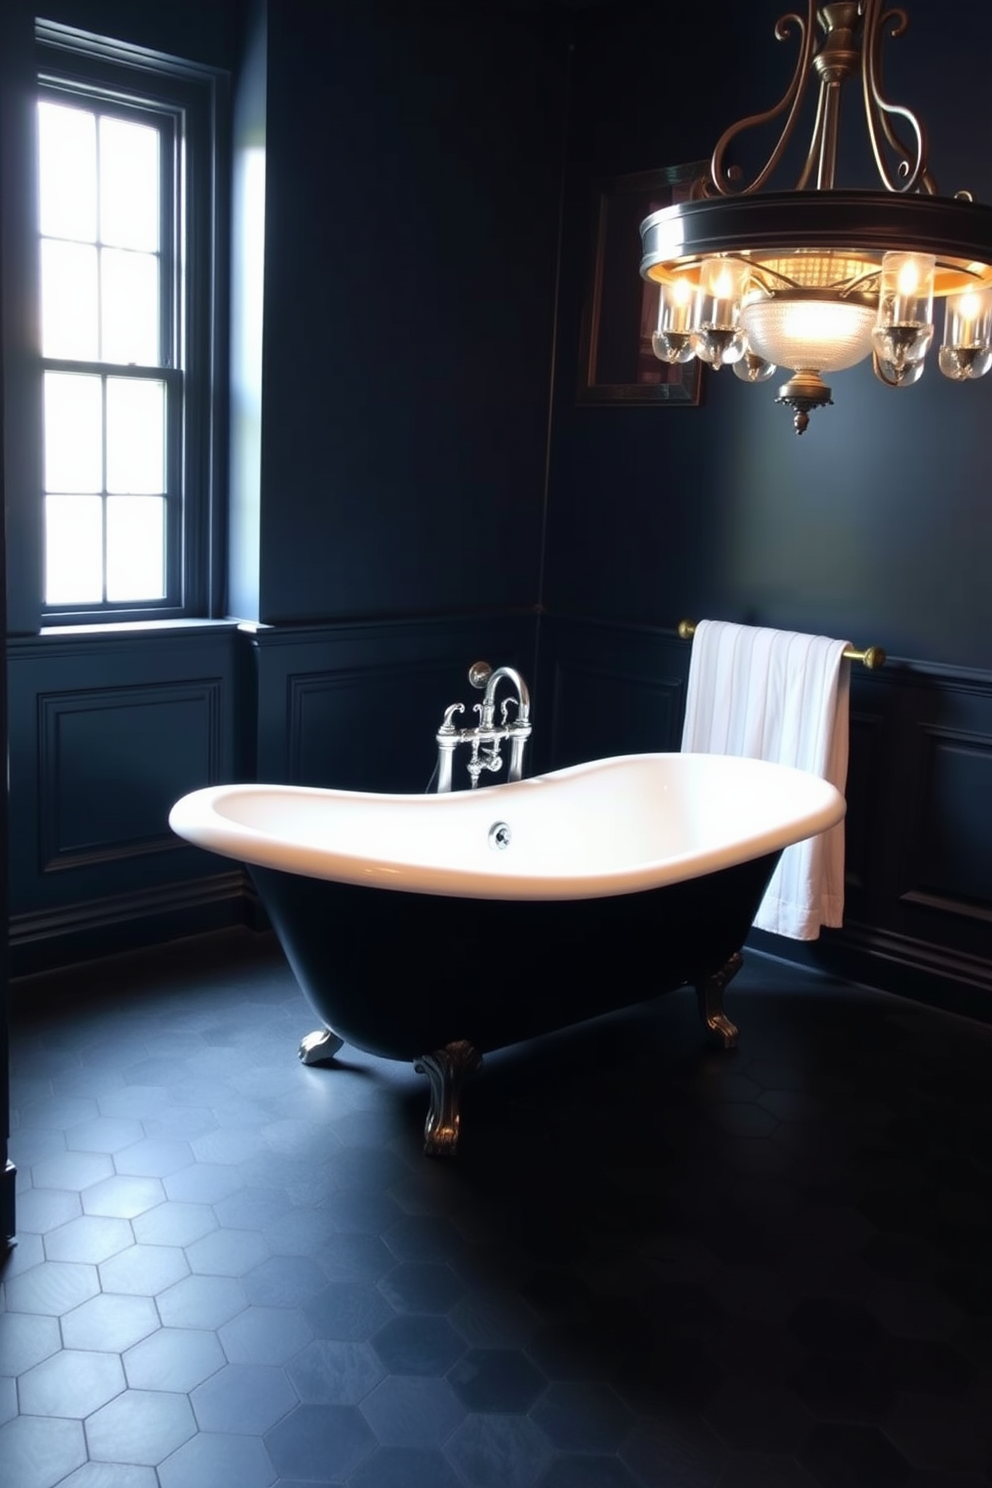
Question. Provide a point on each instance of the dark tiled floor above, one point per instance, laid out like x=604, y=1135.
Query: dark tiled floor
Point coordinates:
x=654, y=1265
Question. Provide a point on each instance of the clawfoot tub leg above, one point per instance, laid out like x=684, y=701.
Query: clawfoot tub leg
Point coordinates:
x=446, y=1069
x=709, y=996
x=320, y=1046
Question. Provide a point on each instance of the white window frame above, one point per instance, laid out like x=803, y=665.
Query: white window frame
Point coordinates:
x=188, y=103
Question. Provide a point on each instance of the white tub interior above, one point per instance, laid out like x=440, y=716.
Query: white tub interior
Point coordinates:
x=608, y=827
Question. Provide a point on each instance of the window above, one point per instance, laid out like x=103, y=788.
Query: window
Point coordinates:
x=126, y=166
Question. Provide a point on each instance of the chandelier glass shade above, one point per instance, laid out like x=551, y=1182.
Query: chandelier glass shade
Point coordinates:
x=799, y=331
x=817, y=279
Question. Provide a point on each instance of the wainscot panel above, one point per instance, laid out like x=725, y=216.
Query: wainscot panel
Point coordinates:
x=615, y=689
x=111, y=761
x=107, y=728
x=357, y=706
x=918, y=914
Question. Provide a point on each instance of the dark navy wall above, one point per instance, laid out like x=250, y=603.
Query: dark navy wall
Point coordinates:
x=875, y=524
x=412, y=185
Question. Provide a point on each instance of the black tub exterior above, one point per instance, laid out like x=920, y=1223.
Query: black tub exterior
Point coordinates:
x=402, y=974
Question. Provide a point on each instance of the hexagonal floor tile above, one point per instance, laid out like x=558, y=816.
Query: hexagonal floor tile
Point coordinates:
x=38, y=1452
x=109, y=1322
x=499, y=1451
x=176, y=1359
x=202, y=1302
x=496, y=1380
x=144, y=1270
x=332, y=1369
x=222, y=1461
x=265, y=1335
x=319, y=1441
x=71, y=1383
x=412, y=1411
x=53, y=1288
x=243, y=1399
x=141, y=1427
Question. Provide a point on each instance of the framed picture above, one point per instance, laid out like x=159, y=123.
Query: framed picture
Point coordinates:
x=616, y=363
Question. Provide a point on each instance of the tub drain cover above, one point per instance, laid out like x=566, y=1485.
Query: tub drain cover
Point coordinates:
x=499, y=836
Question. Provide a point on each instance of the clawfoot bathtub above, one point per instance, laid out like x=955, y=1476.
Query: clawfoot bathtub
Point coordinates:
x=577, y=892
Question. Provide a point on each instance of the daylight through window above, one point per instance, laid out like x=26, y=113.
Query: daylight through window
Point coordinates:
x=110, y=389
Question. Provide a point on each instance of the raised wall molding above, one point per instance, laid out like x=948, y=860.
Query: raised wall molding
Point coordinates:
x=614, y=710
x=111, y=762
x=335, y=715
x=951, y=865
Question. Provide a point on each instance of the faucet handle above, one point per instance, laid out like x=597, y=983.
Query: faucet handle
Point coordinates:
x=447, y=727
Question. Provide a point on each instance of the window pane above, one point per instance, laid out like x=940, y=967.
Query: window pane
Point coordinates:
x=135, y=547
x=129, y=307
x=68, y=300
x=135, y=436
x=129, y=184
x=73, y=550
x=73, y=432
x=67, y=156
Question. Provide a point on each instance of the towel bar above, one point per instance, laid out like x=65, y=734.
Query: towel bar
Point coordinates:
x=872, y=656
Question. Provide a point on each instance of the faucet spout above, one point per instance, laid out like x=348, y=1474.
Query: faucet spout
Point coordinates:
x=489, y=698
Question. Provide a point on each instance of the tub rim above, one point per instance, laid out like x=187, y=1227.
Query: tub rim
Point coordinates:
x=196, y=818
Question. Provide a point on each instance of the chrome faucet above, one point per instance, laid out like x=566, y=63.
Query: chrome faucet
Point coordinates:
x=487, y=736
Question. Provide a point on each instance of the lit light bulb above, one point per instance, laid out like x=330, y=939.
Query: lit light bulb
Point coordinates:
x=908, y=277
x=904, y=327
x=717, y=335
x=671, y=341
x=723, y=286
x=967, y=347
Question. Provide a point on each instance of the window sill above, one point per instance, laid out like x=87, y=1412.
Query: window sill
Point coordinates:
x=118, y=627
x=123, y=633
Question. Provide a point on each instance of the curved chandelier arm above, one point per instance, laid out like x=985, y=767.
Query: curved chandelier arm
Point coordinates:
x=722, y=177
x=816, y=145
x=913, y=173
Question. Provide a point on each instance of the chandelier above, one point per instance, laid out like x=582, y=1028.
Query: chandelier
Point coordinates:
x=816, y=279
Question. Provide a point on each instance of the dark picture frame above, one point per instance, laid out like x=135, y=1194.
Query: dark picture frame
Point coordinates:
x=616, y=363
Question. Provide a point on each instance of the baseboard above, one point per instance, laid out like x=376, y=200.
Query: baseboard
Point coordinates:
x=46, y=940
x=900, y=964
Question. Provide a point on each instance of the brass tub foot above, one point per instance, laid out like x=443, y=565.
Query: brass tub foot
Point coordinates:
x=446, y=1069
x=320, y=1046
x=709, y=997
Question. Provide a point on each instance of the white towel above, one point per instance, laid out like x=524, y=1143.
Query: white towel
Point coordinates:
x=783, y=696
